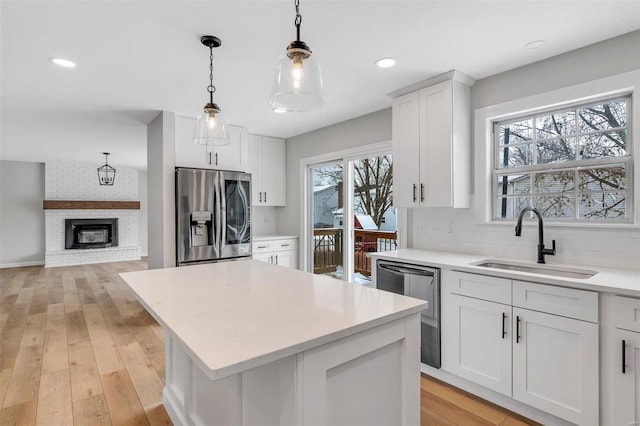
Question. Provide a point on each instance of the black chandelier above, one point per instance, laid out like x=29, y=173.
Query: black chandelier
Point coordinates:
x=106, y=173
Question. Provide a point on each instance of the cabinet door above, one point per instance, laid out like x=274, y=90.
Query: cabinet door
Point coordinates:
x=369, y=378
x=476, y=341
x=263, y=257
x=626, y=391
x=406, y=150
x=286, y=258
x=255, y=168
x=232, y=156
x=188, y=154
x=436, y=167
x=555, y=365
x=273, y=171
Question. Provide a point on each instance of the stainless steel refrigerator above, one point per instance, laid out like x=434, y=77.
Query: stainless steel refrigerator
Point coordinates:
x=213, y=215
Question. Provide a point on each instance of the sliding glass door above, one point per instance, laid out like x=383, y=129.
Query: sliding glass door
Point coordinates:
x=350, y=205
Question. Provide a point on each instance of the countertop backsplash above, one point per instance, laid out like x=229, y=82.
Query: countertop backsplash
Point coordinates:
x=454, y=230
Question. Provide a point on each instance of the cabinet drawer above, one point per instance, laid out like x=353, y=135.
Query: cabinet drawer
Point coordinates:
x=626, y=313
x=262, y=246
x=478, y=286
x=289, y=244
x=567, y=302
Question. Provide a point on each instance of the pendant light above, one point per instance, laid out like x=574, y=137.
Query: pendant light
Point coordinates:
x=298, y=83
x=106, y=173
x=211, y=125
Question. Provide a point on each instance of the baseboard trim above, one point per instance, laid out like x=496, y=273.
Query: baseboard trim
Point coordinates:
x=21, y=264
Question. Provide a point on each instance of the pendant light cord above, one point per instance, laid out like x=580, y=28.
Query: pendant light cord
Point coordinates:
x=298, y=20
x=211, y=89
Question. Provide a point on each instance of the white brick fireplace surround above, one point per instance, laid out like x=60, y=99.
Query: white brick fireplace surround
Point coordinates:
x=73, y=181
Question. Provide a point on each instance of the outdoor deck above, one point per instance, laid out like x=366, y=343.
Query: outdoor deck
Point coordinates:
x=328, y=248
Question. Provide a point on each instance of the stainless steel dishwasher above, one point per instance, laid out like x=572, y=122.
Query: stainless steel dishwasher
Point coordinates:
x=421, y=282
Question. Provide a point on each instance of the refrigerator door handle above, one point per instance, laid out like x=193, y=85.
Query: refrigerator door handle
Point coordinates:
x=223, y=211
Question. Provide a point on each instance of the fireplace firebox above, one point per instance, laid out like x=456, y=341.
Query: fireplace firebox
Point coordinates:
x=90, y=233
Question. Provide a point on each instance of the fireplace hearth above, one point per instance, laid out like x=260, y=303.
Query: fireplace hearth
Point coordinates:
x=90, y=233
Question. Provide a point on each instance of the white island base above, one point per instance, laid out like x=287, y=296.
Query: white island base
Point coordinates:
x=249, y=343
x=370, y=378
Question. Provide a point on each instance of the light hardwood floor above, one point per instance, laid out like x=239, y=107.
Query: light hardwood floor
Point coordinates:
x=76, y=348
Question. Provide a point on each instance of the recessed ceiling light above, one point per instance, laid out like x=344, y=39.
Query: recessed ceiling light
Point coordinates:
x=385, y=62
x=279, y=110
x=534, y=44
x=65, y=63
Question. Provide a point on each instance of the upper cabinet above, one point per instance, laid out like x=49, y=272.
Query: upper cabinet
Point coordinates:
x=226, y=157
x=268, y=169
x=432, y=143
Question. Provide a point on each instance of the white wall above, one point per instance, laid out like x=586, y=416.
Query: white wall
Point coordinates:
x=161, y=192
x=78, y=181
x=263, y=221
x=21, y=213
x=360, y=131
x=143, y=213
x=455, y=230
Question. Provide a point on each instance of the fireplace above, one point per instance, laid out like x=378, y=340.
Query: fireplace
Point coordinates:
x=90, y=233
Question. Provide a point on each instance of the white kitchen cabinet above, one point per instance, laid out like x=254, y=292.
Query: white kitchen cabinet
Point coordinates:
x=277, y=251
x=556, y=365
x=479, y=344
x=539, y=357
x=431, y=132
x=225, y=157
x=267, y=166
x=626, y=361
x=626, y=389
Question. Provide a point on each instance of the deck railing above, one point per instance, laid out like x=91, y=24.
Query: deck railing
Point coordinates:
x=327, y=253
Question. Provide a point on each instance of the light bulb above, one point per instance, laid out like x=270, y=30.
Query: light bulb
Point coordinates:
x=211, y=120
x=296, y=71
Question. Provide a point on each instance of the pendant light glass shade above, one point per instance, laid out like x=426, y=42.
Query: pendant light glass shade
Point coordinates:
x=211, y=127
x=211, y=124
x=298, y=85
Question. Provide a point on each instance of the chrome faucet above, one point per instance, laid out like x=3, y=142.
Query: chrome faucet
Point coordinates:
x=542, y=251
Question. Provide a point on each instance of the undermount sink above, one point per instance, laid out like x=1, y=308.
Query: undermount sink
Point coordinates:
x=538, y=269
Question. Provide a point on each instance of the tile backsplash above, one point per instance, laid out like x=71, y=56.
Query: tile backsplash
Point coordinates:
x=454, y=230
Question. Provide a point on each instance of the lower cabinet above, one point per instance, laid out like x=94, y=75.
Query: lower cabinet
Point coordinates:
x=555, y=365
x=626, y=361
x=277, y=252
x=478, y=344
x=542, y=359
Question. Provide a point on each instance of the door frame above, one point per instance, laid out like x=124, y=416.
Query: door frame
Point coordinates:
x=345, y=157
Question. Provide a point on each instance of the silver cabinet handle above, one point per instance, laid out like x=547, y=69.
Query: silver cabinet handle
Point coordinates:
x=265, y=196
x=276, y=259
x=284, y=245
x=263, y=246
x=414, y=192
x=216, y=158
x=209, y=158
x=422, y=192
x=260, y=195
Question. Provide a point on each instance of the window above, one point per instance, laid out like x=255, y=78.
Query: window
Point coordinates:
x=571, y=164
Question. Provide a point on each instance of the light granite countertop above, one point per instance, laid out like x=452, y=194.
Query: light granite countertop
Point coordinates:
x=232, y=316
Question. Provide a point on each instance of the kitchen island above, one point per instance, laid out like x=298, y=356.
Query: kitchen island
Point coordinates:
x=252, y=343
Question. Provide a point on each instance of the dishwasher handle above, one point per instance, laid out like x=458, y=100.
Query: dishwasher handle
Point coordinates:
x=405, y=270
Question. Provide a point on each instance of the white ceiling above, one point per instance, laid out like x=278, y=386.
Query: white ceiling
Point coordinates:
x=136, y=58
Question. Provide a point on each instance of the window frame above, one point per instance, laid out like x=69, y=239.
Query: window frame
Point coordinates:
x=583, y=93
x=574, y=165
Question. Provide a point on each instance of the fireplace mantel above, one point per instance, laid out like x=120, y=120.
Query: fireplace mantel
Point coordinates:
x=90, y=205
